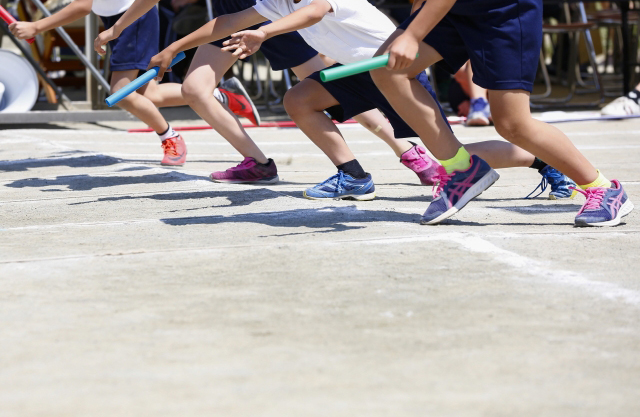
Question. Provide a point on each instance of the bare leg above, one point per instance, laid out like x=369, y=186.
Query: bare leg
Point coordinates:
x=513, y=122
x=137, y=104
x=205, y=72
x=305, y=103
x=164, y=95
x=414, y=103
x=500, y=154
x=377, y=124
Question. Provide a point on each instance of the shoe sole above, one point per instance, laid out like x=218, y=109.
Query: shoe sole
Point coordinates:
x=266, y=181
x=169, y=164
x=358, y=197
x=478, y=122
x=478, y=188
x=626, y=208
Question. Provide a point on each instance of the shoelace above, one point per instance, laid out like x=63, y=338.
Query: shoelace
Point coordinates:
x=339, y=180
x=551, y=177
x=594, y=197
x=441, y=179
x=169, y=146
x=242, y=165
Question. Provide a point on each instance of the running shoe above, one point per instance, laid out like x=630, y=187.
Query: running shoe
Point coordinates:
x=455, y=190
x=238, y=100
x=561, y=185
x=622, y=106
x=248, y=171
x=417, y=160
x=604, y=206
x=480, y=113
x=342, y=186
x=175, y=151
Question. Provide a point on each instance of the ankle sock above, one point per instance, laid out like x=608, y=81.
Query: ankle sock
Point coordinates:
x=601, y=181
x=538, y=164
x=169, y=133
x=353, y=168
x=634, y=95
x=460, y=162
x=269, y=162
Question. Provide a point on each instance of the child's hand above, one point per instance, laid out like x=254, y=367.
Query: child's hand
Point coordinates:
x=162, y=60
x=23, y=30
x=104, y=38
x=402, y=52
x=245, y=43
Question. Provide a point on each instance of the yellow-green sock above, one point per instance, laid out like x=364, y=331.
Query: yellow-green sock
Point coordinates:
x=460, y=162
x=601, y=181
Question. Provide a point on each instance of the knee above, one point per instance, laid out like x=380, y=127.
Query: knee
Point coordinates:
x=515, y=131
x=191, y=92
x=382, y=77
x=295, y=103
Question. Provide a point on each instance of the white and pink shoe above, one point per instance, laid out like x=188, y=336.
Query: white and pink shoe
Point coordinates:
x=417, y=160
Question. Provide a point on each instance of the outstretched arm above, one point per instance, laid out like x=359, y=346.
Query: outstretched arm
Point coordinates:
x=133, y=13
x=218, y=28
x=247, y=42
x=74, y=11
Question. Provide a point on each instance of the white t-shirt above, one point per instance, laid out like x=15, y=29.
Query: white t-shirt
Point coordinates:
x=110, y=7
x=353, y=31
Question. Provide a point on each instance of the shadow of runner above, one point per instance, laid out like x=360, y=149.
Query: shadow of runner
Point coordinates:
x=335, y=218
x=86, y=161
x=88, y=182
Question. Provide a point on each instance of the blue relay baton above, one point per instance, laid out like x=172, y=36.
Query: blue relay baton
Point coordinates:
x=139, y=82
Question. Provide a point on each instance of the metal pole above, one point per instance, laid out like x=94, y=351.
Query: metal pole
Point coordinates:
x=63, y=34
x=209, y=9
x=90, y=33
x=626, y=65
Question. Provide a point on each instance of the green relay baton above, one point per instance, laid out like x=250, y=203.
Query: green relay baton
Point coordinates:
x=336, y=73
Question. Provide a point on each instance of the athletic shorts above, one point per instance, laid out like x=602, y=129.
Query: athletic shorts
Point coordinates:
x=502, y=38
x=358, y=94
x=137, y=44
x=283, y=51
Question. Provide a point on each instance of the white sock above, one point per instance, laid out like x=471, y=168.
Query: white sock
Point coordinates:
x=219, y=96
x=170, y=133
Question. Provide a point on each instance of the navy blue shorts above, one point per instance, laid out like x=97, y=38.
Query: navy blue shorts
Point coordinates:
x=283, y=51
x=358, y=94
x=502, y=38
x=137, y=44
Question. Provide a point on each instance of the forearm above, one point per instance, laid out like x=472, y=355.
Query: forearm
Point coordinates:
x=432, y=13
x=74, y=11
x=218, y=28
x=416, y=5
x=300, y=19
x=135, y=12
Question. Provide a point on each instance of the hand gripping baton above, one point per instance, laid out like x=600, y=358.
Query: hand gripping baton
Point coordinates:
x=6, y=16
x=347, y=70
x=113, y=99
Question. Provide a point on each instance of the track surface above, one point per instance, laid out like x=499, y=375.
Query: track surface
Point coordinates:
x=131, y=289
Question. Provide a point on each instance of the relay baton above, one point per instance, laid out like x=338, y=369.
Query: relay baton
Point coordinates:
x=6, y=16
x=347, y=70
x=139, y=82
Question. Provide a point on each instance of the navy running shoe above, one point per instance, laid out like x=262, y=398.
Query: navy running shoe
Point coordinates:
x=561, y=185
x=604, y=206
x=455, y=190
x=341, y=186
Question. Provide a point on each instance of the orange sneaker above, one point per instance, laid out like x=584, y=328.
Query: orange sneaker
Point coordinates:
x=175, y=151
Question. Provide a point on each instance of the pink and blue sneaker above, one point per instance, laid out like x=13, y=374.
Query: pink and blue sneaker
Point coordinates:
x=417, y=160
x=342, y=186
x=248, y=171
x=604, y=206
x=455, y=190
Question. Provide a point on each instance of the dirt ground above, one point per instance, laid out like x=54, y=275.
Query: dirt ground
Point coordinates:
x=131, y=289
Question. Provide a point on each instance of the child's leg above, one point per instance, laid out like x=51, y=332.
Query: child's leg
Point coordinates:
x=305, y=104
x=137, y=104
x=207, y=68
x=164, y=95
x=414, y=103
x=513, y=121
x=500, y=154
x=377, y=124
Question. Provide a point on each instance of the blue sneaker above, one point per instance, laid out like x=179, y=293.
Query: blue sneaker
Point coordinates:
x=341, y=186
x=480, y=113
x=604, y=206
x=561, y=185
x=455, y=190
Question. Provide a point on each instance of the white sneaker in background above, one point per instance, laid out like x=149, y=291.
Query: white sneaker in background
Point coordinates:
x=622, y=106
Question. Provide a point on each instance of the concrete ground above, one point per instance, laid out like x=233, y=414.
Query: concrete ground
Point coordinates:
x=130, y=289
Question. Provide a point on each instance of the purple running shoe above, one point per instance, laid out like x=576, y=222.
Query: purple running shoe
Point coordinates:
x=248, y=172
x=455, y=190
x=417, y=160
x=604, y=206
